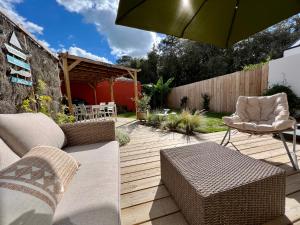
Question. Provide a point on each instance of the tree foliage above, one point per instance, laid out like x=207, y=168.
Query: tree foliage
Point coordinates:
x=189, y=61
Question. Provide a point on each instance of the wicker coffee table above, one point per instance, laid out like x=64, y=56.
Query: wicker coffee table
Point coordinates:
x=215, y=185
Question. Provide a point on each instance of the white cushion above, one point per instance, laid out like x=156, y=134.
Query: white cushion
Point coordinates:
x=261, y=114
x=31, y=188
x=95, y=188
x=7, y=156
x=21, y=132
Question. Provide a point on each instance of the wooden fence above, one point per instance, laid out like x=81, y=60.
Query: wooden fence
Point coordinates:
x=223, y=90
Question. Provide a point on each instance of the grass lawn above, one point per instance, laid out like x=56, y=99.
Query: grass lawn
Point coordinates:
x=212, y=122
x=127, y=115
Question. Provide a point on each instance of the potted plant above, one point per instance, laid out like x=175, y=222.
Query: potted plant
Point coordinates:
x=143, y=106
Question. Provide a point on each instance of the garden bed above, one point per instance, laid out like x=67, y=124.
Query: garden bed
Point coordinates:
x=188, y=123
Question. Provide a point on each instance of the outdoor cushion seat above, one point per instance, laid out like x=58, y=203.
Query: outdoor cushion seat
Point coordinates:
x=95, y=186
x=261, y=114
x=24, y=131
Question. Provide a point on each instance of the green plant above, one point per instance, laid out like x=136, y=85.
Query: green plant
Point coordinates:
x=189, y=122
x=256, y=66
x=122, y=137
x=183, y=102
x=62, y=118
x=292, y=97
x=143, y=103
x=155, y=120
x=172, y=122
x=206, y=101
x=159, y=91
x=42, y=103
x=40, y=87
x=27, y=105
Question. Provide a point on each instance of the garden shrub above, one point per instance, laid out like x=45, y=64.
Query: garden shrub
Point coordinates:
x=122, y=137
x=206, y=101
x=189, y=122
x=41, y=102
x=62, y=118
x=184, y=102
x=172, y=121
x=292, y=97
x=155, y=120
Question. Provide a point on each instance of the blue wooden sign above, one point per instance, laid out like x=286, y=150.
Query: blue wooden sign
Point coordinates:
x=21, y=81
x=17, y=62
x=22, y=73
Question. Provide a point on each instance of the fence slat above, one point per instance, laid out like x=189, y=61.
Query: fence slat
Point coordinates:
x=223, y=90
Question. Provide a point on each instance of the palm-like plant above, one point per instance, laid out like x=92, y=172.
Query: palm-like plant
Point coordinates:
x=159, y=91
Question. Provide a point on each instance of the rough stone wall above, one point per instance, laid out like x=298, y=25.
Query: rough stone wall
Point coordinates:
x=43, y=66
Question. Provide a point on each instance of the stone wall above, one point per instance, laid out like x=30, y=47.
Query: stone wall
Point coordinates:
x=44, y=65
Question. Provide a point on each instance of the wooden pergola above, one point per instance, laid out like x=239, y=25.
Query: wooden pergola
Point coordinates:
x=91, y=72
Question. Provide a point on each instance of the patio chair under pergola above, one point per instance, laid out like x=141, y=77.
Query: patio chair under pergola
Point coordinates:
x=91, y=72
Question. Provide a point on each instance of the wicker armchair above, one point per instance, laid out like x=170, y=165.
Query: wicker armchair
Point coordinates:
x=263, y=115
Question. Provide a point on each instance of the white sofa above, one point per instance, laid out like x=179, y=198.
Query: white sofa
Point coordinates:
x=93, y=196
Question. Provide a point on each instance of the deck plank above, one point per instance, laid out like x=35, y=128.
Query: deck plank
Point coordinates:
x=173, y=219
x=141, y=167
x=140, y=175
x=148, y=211
x=140, y=184
x=142, y=196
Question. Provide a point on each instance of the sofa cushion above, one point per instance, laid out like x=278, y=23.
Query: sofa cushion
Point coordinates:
x=31, y=188
x=93, y=195
x=7, y=156
x=21, y=132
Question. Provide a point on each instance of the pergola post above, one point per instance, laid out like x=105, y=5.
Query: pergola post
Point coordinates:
x=136, y=97
x=94, y=87
x=67, y=82
x=133, y=74
x=111, y=86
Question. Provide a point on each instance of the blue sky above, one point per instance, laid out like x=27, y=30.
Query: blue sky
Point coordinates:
x=82, y=27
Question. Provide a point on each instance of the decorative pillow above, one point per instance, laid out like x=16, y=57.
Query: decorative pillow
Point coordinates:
x=7, y=156
x=24, y=131
x=31, y=188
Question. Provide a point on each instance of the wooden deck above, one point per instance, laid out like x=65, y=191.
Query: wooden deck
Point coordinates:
x=144, y=198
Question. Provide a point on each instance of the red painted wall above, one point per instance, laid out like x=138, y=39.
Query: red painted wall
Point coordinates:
x=123, y=92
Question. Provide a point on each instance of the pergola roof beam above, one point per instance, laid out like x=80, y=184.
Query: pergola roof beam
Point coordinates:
x=74, y=64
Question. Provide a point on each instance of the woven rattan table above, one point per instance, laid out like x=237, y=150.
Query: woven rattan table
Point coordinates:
x=215, y=185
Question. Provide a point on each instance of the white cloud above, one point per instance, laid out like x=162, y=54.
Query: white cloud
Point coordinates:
x=7, y=6
x=83, y=53
x=102, y=13
x=45, y=44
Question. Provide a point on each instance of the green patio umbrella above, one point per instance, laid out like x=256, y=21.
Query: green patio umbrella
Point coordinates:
x=219, y=22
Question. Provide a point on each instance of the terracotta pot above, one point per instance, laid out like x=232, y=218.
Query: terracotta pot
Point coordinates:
x=141, y=115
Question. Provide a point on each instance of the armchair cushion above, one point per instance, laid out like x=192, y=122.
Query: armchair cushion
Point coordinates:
x=261, y=114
